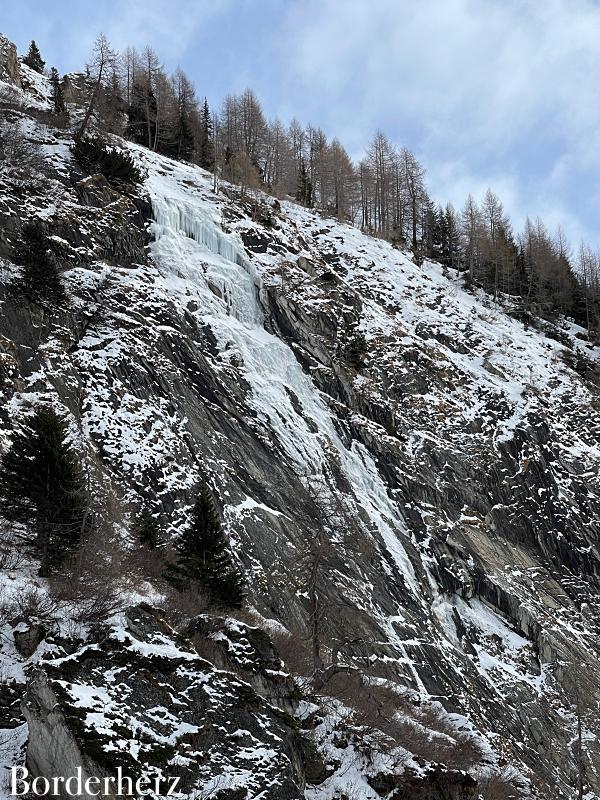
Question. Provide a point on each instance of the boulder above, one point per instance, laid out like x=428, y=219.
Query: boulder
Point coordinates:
x=248, y=651
x=95, y=191
x=437, y=783
x=27, y=637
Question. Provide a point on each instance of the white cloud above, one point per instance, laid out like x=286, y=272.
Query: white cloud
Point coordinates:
x=482, y=89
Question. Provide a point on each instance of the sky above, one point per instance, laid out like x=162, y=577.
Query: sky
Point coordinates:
x=488, y=93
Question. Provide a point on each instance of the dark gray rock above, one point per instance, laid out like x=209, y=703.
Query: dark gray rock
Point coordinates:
x=10, y=70
x=248, y=652
x=436, y=784
x=28, y=636
x=143, y=699
x=95, y=191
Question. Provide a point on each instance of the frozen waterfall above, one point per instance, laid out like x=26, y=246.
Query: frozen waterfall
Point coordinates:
x=207, y=252
x=195, y=258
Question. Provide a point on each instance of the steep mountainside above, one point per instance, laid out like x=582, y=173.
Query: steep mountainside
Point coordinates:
x=381, y=441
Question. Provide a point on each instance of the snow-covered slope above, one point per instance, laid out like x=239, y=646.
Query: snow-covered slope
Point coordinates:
x=440, y=458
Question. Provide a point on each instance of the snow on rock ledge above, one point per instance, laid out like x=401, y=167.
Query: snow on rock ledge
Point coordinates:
x=142, y=698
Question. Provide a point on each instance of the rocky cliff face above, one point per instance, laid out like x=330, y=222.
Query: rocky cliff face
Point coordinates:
x=340, y=399
x=140, y=697
x=10, y=71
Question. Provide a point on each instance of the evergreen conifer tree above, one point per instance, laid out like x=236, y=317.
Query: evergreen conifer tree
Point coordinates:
x=34, y=59
x=450, y=252
x=146, y=529
x=228, y=591
x=178, y=139
x=180, y=142
x=206, y=148
x=58, y=99
x=228, y=158
x=94, y=155
x=42, y=485
x=304, y=187
x=38, y=279
x=203, y=557
x=433, y=233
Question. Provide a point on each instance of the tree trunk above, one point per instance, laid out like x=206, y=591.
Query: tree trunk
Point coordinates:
x=90, y=108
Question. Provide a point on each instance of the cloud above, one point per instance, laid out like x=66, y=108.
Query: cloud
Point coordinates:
x=171, y=26
x=504, y=92
x=67, y=29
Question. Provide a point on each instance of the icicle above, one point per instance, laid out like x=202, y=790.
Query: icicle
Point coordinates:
x=237, y=282
x=194, y=222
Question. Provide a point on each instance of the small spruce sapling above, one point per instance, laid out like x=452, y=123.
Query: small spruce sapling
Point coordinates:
x=146, y=529
x=38, y=279
x=203, y=559
x=58, y=99
x=42, y=485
